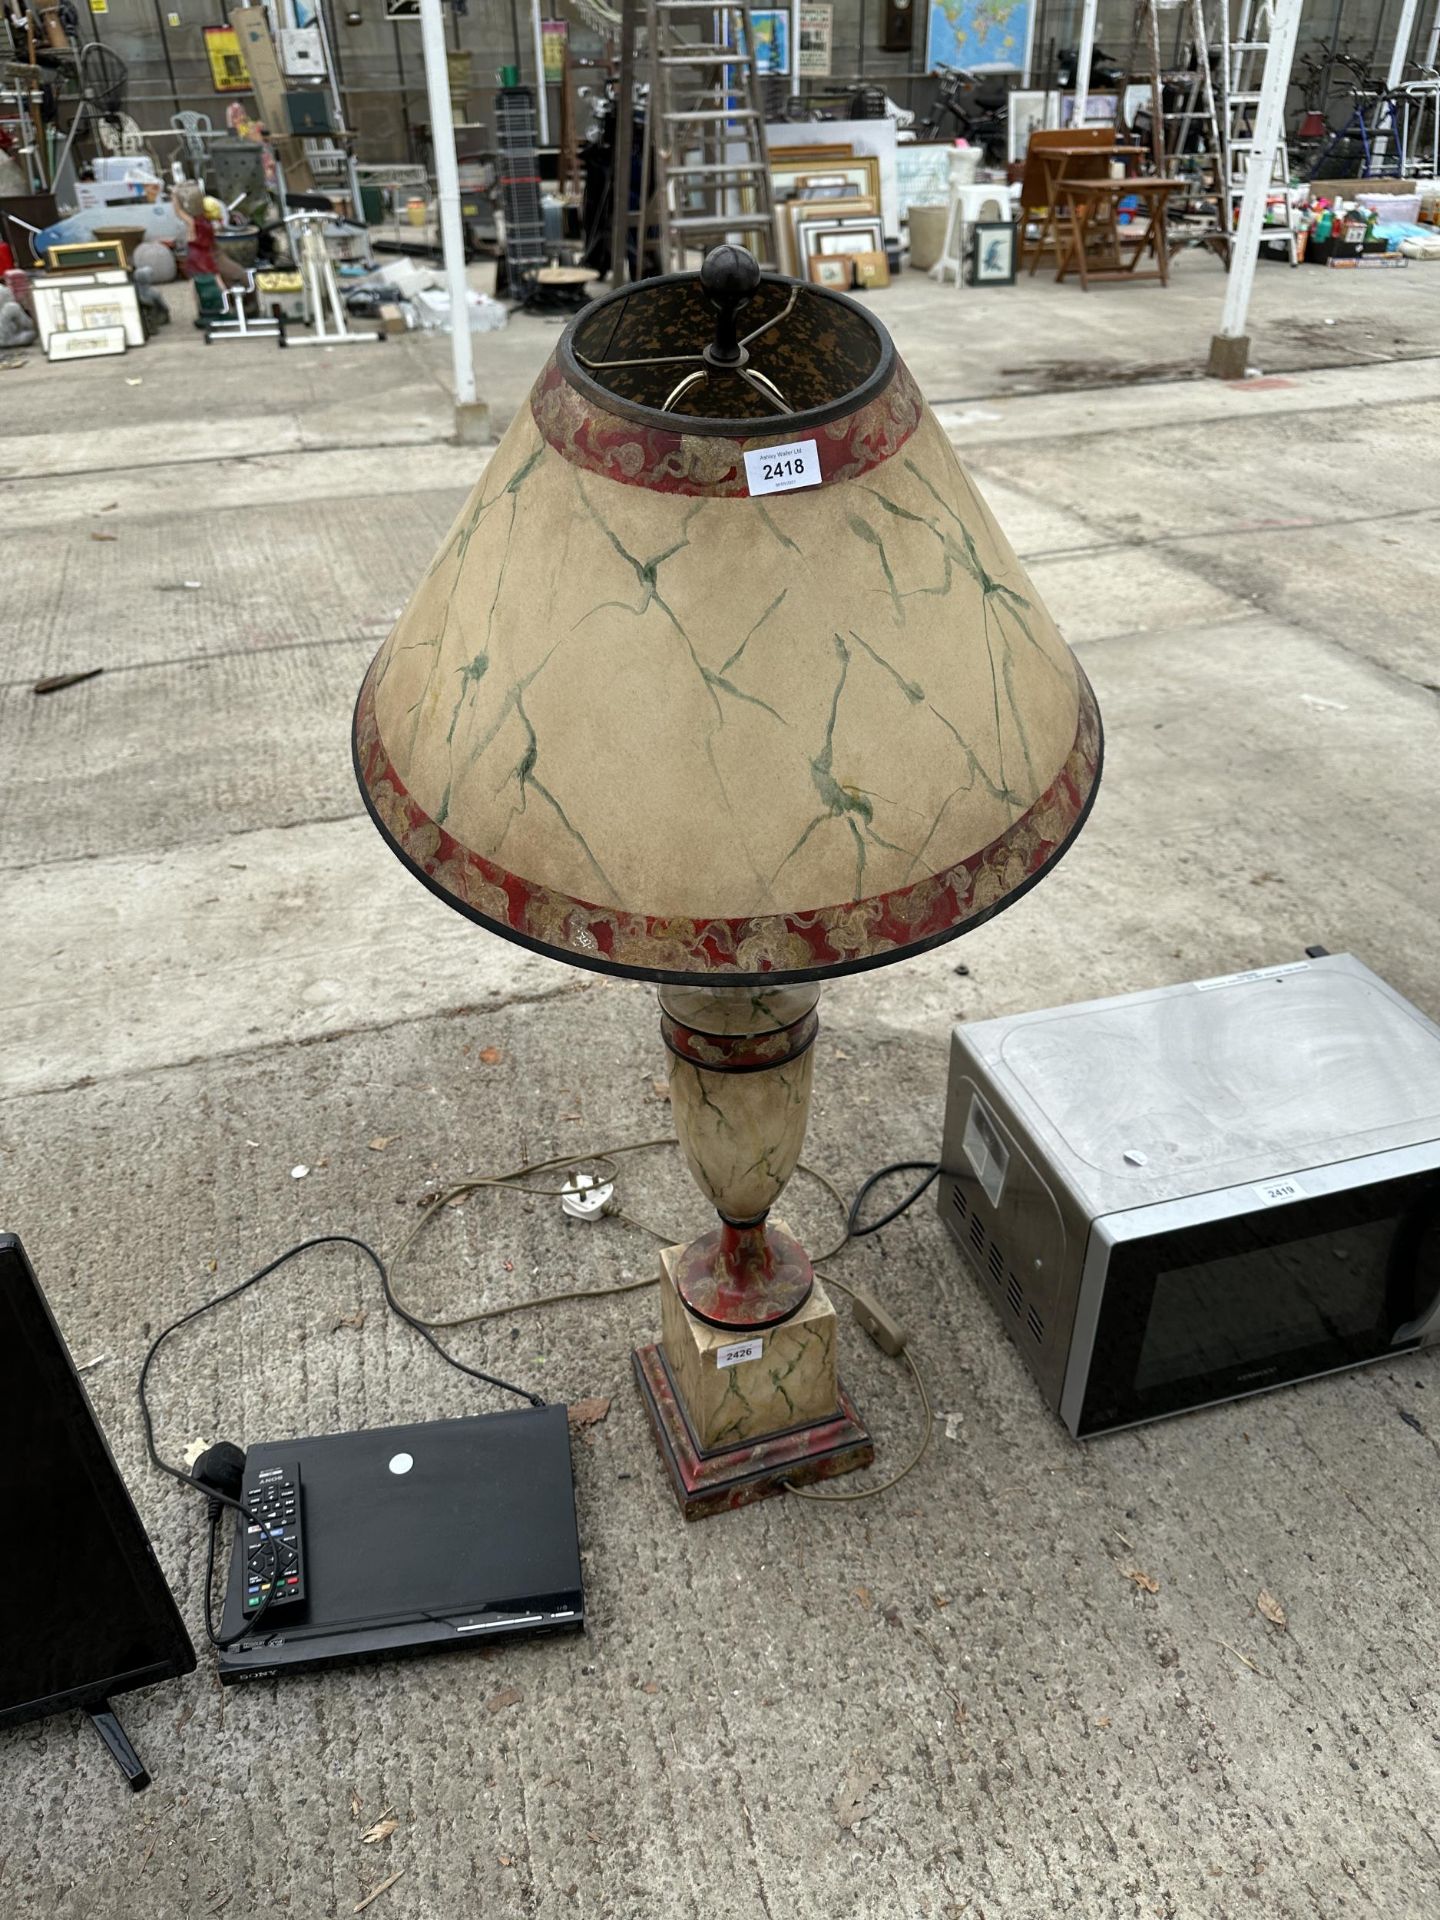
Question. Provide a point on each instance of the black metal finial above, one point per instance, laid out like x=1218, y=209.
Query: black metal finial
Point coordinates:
x=729, y=276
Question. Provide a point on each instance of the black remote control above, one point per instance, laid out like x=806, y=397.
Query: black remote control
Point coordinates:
x=274, y=1557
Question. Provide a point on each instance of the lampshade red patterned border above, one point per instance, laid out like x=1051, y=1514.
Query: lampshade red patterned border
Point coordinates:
x=645, y=716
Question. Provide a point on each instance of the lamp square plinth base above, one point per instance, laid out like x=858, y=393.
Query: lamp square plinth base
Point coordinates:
x=737, y=1386
x=716, y=1482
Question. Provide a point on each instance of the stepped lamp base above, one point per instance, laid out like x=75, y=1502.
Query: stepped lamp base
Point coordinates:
x=716, y=1482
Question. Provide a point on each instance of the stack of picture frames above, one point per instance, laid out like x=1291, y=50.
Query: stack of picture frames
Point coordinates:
x=828, y=220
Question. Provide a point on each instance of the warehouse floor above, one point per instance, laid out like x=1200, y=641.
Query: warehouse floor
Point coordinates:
x=958, y=1698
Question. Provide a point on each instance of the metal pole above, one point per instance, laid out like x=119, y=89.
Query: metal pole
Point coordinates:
x=1157, y=90
x=1431, y=44
x=333, y=75
x=1229, y=347
x=169, y=63
x=447, y=182
x=541, y=91
x=1402, y=43
x=404, y=89
x=624, y=147
x=1083, y=58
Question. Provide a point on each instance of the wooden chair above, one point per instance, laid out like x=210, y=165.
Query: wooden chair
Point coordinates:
x=1051, y=152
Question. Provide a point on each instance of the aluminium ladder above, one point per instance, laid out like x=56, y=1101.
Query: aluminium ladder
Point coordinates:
x=1194, y=147
x=704, y=168
x=1186, y=143
x=1246, y=59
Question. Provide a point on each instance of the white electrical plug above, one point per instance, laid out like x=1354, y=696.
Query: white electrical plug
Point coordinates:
x=587, y=1199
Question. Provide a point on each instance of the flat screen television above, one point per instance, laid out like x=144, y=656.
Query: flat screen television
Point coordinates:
x=92, y=1615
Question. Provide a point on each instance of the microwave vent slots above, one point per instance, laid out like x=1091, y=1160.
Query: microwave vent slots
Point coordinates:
x=994, y=1268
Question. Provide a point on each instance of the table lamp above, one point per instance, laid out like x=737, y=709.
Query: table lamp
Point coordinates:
x=725, y=679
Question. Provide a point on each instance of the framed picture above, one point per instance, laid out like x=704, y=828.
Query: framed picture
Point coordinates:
x=816, y=32
x=922, y=174
x=1029, y=112
x=94, y=307
x=104, y=306
x=817, y=158
x=871, y=269
x=772, y=39
x=70, y=303
x=228, y=71
x=794, y=257
x=87, y=256
x=992, y=253
x=823, y=186
x=795, y=173
x=860, y=175
x=850, y=240
x=88, y=344
x=831, y=270
x=825, y=235
x=1100, y=108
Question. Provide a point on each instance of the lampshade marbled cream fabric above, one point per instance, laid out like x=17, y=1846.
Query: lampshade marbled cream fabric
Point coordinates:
x=637, y=718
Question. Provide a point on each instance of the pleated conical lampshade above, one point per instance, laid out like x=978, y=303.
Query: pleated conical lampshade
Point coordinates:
x=648, y=716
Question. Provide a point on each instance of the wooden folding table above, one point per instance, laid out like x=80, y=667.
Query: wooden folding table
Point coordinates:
x=1052, y=152
x=1092, y=207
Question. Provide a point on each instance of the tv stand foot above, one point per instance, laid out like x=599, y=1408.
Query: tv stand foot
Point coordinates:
x=102, y=1718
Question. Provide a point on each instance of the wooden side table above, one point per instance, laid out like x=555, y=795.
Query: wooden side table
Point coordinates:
x=1093, y=231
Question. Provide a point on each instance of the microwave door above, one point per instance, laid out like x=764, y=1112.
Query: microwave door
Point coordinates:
x=1415, y=1273
x=1200, y=1311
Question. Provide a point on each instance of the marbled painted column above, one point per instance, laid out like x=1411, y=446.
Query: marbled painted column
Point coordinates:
x=740, y=1073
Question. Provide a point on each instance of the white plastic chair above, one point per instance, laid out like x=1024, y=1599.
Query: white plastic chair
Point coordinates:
x=194, y=130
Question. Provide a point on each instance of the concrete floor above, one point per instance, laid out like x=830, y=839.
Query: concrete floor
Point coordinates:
x=950, y=1700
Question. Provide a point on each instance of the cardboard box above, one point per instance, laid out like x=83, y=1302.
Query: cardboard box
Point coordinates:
x=251, y=26
x=1352, y=189
x=391, y=319
x=111, y=193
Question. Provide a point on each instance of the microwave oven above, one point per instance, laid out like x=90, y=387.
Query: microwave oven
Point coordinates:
x=1184, y=1196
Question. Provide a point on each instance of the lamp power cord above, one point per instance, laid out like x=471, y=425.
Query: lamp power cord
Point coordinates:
x=524, y=1179
x=518, y=1181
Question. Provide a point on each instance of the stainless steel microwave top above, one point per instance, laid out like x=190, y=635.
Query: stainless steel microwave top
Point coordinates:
x=1185, y=1195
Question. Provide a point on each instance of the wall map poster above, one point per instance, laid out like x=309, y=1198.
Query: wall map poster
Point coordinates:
x=979, y=33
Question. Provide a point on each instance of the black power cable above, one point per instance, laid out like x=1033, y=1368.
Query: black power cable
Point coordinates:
x=220, y=1499
x=853, y=1229
x=216, y=1497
